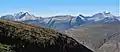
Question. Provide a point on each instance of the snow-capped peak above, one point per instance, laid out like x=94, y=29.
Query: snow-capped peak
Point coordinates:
x=107, y=14
x=23, y=12
x=100, y=16
x=24, y=15
x=82, y=17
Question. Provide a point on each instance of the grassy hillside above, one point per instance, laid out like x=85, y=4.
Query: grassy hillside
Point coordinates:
x=23, y=37
x=98, y=37
x=5, y=48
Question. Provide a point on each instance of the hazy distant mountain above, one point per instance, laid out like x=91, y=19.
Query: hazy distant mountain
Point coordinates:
x=63, y=22
x=100, y=16
x=8, y=17
x=22, y=16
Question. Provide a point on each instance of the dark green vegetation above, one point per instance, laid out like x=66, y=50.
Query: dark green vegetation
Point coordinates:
x=100, y=37
x=21, y=37
x=5, y=48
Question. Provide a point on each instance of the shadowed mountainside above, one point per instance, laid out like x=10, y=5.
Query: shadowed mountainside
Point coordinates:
x=27, y=38
x=99, y=37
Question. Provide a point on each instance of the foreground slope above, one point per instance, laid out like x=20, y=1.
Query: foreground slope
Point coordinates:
x=100, y=37
x=27, y=38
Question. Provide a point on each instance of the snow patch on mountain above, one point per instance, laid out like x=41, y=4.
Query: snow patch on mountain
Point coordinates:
x=24, y=16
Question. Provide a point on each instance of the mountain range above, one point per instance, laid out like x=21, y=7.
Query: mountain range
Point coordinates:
x=63, y=22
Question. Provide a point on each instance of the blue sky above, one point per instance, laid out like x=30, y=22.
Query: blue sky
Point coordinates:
x=59, y=7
